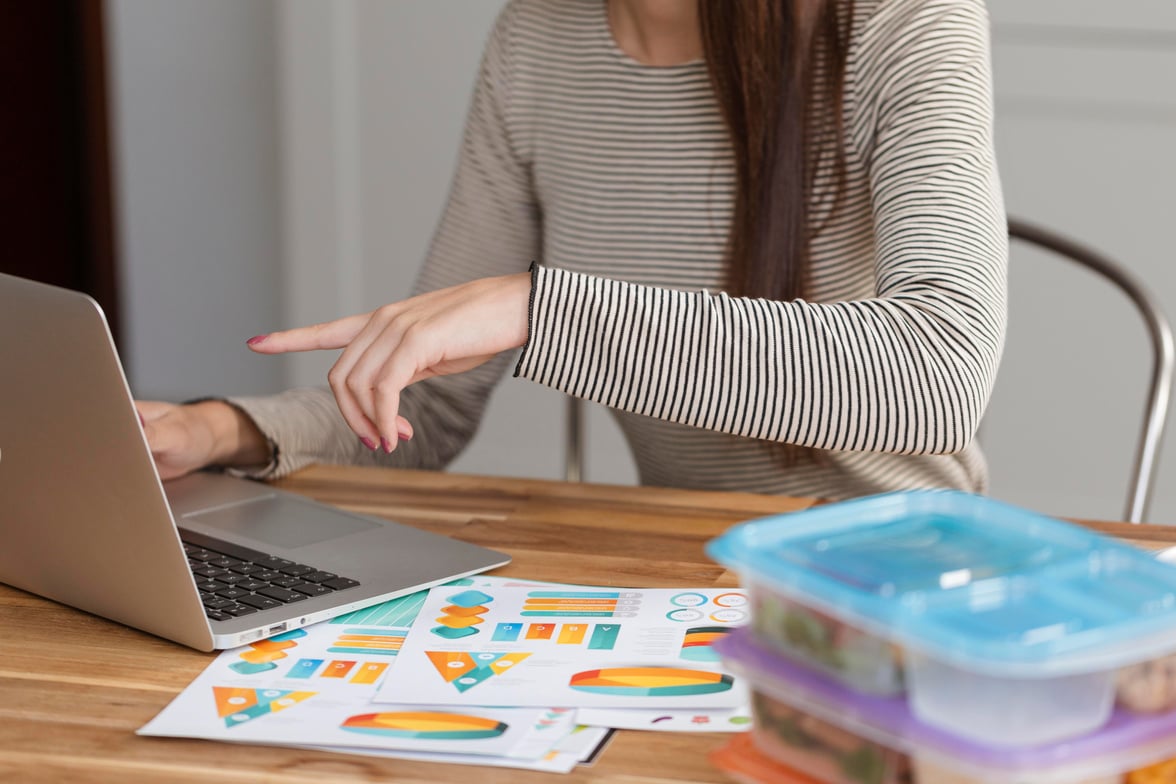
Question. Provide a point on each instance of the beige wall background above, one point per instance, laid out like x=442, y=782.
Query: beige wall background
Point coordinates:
x=285, y=162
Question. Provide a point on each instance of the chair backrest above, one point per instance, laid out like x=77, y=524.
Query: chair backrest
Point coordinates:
x=574, y=441
x=1156, y=406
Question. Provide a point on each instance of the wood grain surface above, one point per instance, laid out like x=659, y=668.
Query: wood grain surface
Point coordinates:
x=74, y=687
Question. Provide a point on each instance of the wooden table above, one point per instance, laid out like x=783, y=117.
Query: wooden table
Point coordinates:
x=74, y=688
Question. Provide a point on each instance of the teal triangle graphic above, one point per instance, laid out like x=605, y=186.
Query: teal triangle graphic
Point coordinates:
x=266, y=698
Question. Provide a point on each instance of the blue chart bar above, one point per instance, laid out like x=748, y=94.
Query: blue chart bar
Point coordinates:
x=604, y=637
x=573, y=594
x=304, y=668
x=507, y=632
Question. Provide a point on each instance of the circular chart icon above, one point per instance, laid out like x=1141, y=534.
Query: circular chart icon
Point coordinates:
x=728, y=616
x=688, y=599
x=730, y=600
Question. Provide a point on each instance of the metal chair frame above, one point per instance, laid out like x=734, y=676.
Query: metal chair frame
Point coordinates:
x=1159, y=389
x=1155, y=412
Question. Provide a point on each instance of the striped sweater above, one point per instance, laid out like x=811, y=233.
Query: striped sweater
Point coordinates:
x=617, y=178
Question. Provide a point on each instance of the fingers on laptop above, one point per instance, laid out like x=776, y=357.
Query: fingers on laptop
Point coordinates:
x=168, y=437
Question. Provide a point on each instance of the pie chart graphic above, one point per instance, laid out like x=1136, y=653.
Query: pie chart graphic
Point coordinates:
x=650, y=682
x=425, y=725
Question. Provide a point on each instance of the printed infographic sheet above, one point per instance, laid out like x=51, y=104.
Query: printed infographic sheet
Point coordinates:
x=677, y=720
x=570, y=646
x=581, y=746
x=315, y=686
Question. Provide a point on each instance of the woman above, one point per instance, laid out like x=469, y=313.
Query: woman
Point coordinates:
x=769, y=235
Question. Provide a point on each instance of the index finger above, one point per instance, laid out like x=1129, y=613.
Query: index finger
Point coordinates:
x=317, y=337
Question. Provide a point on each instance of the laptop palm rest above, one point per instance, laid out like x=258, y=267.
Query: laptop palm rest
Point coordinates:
x=277, y=522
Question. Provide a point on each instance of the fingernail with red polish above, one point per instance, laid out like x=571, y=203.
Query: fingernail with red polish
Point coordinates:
x=386, y=444
x=405, y=436
x=404, y=432
x=370, y=444
x=253, y=341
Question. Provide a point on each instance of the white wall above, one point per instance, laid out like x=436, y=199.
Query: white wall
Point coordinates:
x=282, y=163
x=1086, y=119
x=374, y=98
x=364, y=135
x=193, y=91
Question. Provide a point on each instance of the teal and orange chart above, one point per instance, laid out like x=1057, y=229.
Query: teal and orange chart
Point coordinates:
x=263, y=655
x=650, y=682
x=462, y=615
x=697, y=645
x=466, y=670
x=425, y=725
x=238, y=705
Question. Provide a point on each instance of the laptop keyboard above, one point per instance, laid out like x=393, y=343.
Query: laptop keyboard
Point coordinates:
x=236, y=581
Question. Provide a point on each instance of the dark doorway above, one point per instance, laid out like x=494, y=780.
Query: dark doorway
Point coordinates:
x=56, y=215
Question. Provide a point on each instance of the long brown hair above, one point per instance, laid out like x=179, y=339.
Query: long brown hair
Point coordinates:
x=777, y=68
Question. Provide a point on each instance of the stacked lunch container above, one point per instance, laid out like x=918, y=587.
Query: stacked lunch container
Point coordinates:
x=936, y=637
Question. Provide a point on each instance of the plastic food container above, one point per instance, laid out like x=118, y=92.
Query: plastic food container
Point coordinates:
x=742, y=761
x=865, y=661
x=796, y=738
x=879, y=741
x=1148, y=687
x=1003, y=625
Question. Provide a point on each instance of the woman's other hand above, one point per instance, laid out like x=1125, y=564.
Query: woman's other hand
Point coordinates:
x=187, y=438
x=446, y=331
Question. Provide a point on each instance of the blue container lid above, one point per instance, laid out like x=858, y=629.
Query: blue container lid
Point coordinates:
x=985, y=585
x=1127, y=741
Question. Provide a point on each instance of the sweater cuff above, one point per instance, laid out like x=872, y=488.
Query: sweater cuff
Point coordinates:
x=269, y=470
x=535, y=270
x=261, y=470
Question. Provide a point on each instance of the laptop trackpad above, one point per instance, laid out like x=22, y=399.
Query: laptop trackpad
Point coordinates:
x=281, y=521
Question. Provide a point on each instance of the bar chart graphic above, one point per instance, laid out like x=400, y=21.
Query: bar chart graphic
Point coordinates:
x=602, y=637
x=361, y=673
x=581, y=604
x=365, y=641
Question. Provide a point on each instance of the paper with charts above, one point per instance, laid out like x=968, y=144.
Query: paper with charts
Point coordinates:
x=570, y=646
x=315, y=686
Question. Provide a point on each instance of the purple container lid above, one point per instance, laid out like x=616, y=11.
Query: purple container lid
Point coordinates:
x=892, y=715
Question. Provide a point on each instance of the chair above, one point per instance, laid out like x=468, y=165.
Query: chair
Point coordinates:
x=574, y=441
x=1155, y=410
x=1159, y=390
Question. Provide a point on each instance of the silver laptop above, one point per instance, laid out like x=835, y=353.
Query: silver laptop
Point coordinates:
x=209, y=560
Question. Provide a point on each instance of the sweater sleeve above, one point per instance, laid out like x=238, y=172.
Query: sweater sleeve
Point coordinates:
x=907, y=371
x=490, y=227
